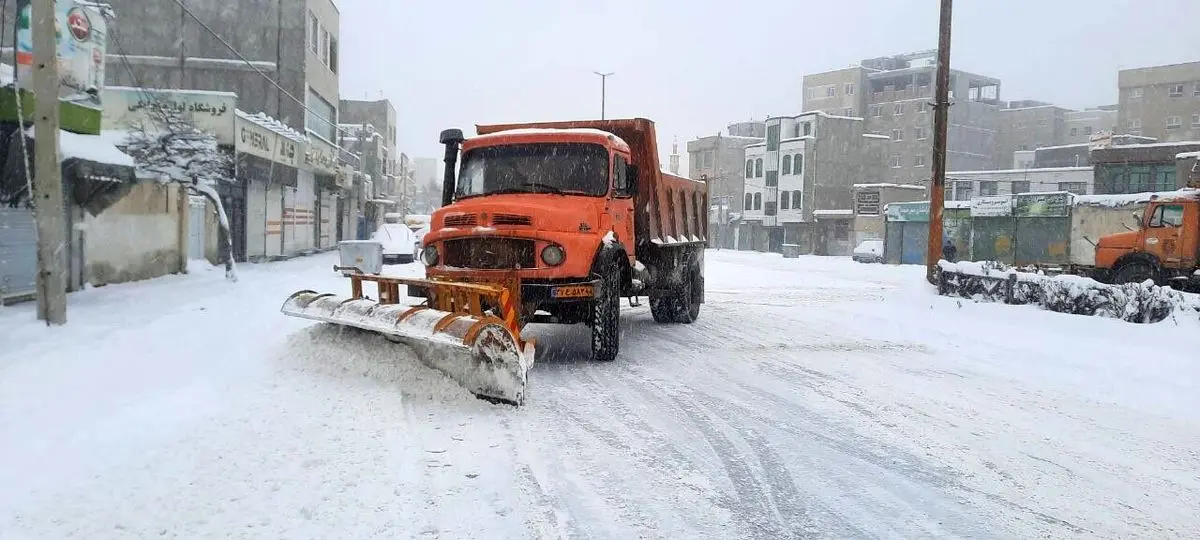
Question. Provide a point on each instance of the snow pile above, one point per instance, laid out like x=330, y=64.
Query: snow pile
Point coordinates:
x=992, y=281
x=97, y=148
x=1113, y=201
x=274, y=125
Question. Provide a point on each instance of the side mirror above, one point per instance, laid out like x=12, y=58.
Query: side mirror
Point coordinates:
x=1137, y=218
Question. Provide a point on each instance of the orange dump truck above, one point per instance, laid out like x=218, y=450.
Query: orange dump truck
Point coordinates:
x=542, y=223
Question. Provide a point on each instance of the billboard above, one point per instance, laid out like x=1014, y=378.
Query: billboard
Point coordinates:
x=82, y=36
x=210, y=112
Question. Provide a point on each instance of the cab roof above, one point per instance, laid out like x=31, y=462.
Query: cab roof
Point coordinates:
x=547, y=135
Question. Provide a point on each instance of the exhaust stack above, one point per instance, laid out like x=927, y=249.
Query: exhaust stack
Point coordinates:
x=452, y=139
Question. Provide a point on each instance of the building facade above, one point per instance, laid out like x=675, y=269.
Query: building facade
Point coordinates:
x=966, y=185
x=1081, y=125
x=718, y=161
x=1161, y=102
x=1027, y=125
x=804, y=170
x=1140, y=168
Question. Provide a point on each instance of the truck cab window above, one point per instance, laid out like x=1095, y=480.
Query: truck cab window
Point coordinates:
x=621, y=187
x=1167, y=215
x=570, y=168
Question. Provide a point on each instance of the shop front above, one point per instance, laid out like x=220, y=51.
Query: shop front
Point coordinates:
x=269, y=157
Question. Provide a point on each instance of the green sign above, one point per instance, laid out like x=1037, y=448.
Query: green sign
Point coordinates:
x=908, y=211
x=1042, y=205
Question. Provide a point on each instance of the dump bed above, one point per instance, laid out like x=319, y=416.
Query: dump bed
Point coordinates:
x=669, y=210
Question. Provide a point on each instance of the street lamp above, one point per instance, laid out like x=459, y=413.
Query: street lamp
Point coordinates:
x=603, y=80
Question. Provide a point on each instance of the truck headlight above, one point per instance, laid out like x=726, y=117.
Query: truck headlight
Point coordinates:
x=429, y=255
x=553, y=255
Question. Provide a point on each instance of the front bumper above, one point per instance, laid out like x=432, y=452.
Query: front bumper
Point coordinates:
x=541, y=293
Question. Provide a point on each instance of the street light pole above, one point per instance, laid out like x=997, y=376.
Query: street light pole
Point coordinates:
x=48, y=210
x=603, y=81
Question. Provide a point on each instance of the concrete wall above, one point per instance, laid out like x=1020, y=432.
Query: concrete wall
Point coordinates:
x=137, y=238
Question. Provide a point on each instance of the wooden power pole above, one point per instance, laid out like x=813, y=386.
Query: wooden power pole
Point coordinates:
x=941, y=119
x=47, y=182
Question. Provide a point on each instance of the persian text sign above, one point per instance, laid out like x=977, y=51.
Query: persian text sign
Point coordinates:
x=1042, y=204
x=991, y=206
x=908, y=211
x=259, y=141
x=210, y=112
x=321, y=157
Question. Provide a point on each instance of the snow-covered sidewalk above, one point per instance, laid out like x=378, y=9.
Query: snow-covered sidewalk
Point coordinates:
x=814, y=397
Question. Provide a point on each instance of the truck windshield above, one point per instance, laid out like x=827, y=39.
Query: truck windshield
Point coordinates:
x=576, y=168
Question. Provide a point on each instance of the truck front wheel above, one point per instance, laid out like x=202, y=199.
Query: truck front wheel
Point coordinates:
x=1134, y=272
x=606, y=315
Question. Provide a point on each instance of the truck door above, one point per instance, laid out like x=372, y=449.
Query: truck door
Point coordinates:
x=1189, y=236
x=620, y=207
x=1165, y=235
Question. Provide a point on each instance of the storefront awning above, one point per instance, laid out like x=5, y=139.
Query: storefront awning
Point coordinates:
x=382, y=202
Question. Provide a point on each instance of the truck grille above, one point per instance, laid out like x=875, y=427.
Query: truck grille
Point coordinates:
x=511, y=219
x=490, y=253
x=457, y=220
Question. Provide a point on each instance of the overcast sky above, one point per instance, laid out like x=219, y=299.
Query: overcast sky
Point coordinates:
x=694, y=66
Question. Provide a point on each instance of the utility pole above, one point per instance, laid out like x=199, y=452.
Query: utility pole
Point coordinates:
x=603, y=81
x=47, y=193
x=941, y=117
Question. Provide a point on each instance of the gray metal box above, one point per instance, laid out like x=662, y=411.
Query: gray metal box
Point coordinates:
x=365, y=255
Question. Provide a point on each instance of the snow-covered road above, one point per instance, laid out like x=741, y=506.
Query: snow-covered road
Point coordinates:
x=815, y=397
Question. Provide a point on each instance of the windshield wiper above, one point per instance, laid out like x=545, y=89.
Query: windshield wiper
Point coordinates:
x=552, y=189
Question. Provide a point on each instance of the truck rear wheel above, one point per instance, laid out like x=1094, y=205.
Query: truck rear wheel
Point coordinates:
x=682, y=305
x=606, y=315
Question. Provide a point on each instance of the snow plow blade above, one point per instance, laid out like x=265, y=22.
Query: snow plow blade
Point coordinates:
x=455, y=332
x=1077, y=295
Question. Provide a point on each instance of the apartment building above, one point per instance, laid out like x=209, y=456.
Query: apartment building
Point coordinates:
x=893, y=95
x=804, y=169
x=718, y=161
x=1081, y=125
x=1027, y=125
x=1161, y=102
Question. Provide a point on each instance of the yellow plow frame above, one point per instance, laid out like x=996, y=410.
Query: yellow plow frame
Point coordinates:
x=469, y=331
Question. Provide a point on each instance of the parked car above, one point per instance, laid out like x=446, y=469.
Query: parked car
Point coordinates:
x=869, y=251
x=397, y=240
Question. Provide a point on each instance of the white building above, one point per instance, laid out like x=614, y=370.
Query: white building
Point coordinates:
x=964, y=185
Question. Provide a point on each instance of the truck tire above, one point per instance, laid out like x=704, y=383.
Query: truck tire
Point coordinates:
x=1134, y=272
x=681, y=305
x=606, y=314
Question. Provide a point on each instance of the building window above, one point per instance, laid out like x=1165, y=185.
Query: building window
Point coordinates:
x=876, y=111
x=772, y=178
x=796, y=200
x=1019, y=187
x=922, y=106
x=787, y=165
x=758, y=168
x=849, y=112
x=897, y=134
x=706, y=159
x=749, y=168
x=920, y=133
x=314, y=35
x=784, y=199
x=749, y=201
x=1176, y=90
x=849, y=89
x=1196, y=90
x=830, y=91
x=988, y=188
x=919, y=160
x=1174, y=122
x=1135, y=124
x=963, y=191
x=758, y=201
x=1137, y=93
x=324, y=46
x=798, y=165
x=773, y=138
x=807, y=128
x=1078, y=188
x=1196, y=120
x=841, y=230
x=321, y=118
x=898, y=108
x=333, y=54
x=895, y=161
x=1074, y=131
x=769, y=209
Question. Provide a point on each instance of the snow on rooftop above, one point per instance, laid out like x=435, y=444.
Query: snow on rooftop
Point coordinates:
x=98, y=148
x=834, y=212
x=1113, y=201
x=957, y=205
x=1188, y=155
x=272, y=124
x=876, y=136
x=1158, y=144
x=800, y=138
x=888, y=185
x=1023, y=171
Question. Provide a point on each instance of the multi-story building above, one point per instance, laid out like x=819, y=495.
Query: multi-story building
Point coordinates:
x=1081, y=125
x=1080, y=154
x=749, y=128
x=718, y=161
x=294, y=43
x=802, y=173
x=965, y=185
x=1026, y=125
x=373, y=124
x=1139, y=168
x=1161, y=102
x=379, y=114
x=893, y=96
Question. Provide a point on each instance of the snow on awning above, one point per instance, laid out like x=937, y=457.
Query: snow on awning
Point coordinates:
x=384, y=202
x=834, y=214
x=97, y=148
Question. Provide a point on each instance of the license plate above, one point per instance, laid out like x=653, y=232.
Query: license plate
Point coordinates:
x=572, y=291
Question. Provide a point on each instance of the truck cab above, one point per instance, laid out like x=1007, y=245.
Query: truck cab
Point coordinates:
x=1165, y=248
